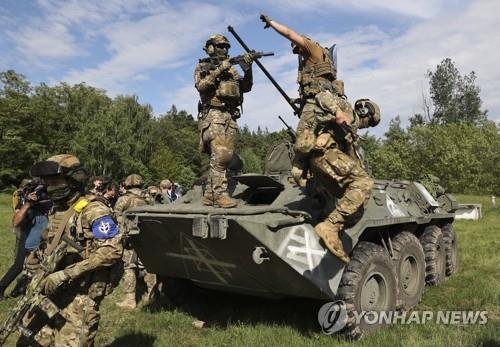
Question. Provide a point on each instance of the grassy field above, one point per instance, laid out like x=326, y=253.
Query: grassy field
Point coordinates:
x=234, y=320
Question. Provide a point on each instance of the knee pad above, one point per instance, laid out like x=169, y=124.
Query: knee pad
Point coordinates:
x=223, y=154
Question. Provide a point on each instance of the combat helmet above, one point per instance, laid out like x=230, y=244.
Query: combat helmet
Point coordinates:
x=133, y=181
x=217, y=45
x=368, y=113
x=67, y=165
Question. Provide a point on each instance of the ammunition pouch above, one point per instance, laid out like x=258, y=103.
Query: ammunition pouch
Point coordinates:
x=324, y=141
x=338, y=87
x=310, y=86
x=228, y=91
x=32, y=263
x=317, y=77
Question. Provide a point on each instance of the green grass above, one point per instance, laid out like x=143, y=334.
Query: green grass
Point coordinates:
x=235, y=320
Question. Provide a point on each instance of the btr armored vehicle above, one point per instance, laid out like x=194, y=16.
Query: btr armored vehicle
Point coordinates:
x=267, y=246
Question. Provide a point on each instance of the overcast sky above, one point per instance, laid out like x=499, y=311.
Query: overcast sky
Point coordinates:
x=150, y=47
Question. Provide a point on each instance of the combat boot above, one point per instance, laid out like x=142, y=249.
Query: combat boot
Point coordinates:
x=128, y=302
x=149, y=297
x=330, y=233
x=220, y=200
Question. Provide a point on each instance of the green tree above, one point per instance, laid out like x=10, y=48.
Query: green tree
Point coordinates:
x=18, y=148
x=252, y=162
x=455, y=97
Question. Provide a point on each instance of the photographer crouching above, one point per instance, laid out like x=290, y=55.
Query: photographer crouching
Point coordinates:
x=29, y=221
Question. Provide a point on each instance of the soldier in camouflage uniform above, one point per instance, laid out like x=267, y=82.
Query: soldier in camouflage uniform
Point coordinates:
x=221, y=94
x=325, y=138
x=85, y=277
x=133, y=197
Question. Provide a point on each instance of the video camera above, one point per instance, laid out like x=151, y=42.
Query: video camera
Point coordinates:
x=36, y=186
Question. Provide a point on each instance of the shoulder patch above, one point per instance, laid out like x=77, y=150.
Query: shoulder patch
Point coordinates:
x=104, y=228
x=80, y=205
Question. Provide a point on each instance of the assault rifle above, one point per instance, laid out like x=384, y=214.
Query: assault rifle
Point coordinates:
x=34, y=297
x=255, y=55
x=239, y=59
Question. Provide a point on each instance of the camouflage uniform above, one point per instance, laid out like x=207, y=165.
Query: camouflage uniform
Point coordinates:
x=221, y=90
x=87, y=275
x=327, y=148
x=131, y=264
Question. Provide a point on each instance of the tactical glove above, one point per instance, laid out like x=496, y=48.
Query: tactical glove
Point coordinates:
x=224, y=65
x=266, y=20
x=247, y=62
x=53, y=281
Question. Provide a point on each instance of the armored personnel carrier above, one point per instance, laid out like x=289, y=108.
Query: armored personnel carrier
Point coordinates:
x=267, y=245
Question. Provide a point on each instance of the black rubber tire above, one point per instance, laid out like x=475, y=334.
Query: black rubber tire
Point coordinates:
x=435, y=257
x=451, y=248
x=369, y=274
x=409, y=267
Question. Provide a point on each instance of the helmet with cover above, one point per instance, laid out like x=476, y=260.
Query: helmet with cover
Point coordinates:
x=133, y=181
x=217, y=46
x=368, y=113
x=64, y=175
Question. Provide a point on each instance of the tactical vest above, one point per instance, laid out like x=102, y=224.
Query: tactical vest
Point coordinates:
x=73, y=227
x=316, y=77
x=226, y=91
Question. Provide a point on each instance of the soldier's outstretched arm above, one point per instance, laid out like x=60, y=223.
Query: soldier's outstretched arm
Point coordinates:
x=283, y=30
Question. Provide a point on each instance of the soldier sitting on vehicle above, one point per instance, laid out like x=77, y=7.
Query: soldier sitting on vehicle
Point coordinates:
x=325, y=138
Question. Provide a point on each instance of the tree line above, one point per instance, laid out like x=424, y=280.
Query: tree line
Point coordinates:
x=113, y=136
x=453, y=139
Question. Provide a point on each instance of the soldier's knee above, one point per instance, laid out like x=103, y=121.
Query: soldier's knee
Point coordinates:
x=223, y=154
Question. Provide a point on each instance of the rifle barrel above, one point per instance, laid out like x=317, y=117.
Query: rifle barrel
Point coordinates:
x=264, y=70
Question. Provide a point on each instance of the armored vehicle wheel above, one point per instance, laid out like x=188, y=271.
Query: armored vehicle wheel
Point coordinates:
x=435, y=258
x=368, y=284
x=409, y=266
x=451, y=249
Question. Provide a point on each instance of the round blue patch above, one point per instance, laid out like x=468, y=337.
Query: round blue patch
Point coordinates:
x=104, y=228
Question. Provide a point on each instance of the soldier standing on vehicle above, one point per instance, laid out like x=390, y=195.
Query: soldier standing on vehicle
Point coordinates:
x=133, y=197
x=85, y=275
x=324, y=134
x=221, y=95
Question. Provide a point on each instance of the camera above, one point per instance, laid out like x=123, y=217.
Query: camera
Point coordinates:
x=36, y=186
